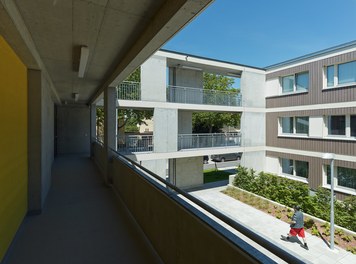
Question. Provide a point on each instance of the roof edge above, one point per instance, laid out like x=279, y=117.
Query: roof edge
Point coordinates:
x=341, y=47
x=207, y=58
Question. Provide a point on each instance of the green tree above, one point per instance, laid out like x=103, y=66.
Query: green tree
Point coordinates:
x=208, y=122
x=132, y=117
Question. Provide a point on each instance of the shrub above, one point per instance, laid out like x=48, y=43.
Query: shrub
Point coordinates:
x=290, y=193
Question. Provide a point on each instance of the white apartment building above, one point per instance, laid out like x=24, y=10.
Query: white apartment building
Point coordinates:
x=292, y=113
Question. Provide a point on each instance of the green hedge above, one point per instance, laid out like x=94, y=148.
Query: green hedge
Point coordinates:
x=289, y=192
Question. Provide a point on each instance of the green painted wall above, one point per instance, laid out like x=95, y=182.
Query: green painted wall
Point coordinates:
x=13, y=144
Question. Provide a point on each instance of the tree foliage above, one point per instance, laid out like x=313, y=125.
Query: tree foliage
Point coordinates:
x=209, y=122
x=132, y=117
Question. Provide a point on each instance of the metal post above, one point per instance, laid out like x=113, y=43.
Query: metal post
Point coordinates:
x=331, y=157
x=332, y=205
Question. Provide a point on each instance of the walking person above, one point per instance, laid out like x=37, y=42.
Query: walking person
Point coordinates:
x=297, y=226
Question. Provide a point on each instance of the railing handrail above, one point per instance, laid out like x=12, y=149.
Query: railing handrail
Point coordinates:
x=203, y=89
x=129, y=82
x=284, y=254
x=212, y=134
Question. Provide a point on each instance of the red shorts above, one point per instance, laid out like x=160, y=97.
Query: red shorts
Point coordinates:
x=297, y=231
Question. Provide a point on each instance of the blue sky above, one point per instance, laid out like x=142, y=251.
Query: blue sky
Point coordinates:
x=260, y=33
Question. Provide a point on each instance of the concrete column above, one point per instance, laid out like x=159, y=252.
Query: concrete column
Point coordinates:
x=165, y=131
x=253, y=91
x=153, y=79
x=40, y=140
x=92, y=127
x=110, y=125
x=34, y=142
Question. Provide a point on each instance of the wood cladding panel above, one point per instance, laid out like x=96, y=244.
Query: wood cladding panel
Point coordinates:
x=316, y=94
x=315, y=178
x=342, y=147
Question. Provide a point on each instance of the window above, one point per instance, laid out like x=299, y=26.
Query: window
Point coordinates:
x=347, y=72
x=337, y=125
x=295, y=167
x=287, y=125
x=330, y=75
x=302, y=124
x=295, y=83
x=287, y=166
x=353, y=125
x=341, y=74
x=295, y=125
x=344, y=177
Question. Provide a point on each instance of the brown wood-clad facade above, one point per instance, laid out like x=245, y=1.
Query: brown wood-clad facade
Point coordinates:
x=315, y=178
x=337, y=146
x=316, y=93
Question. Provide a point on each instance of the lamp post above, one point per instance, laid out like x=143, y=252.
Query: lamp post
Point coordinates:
x=331, y=157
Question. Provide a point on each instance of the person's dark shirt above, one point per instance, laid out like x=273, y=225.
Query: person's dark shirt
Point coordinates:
x=298, y=218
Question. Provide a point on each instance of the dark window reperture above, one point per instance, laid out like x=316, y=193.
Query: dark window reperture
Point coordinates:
x=345, y=177
x=295, y=167
x=353, y=125
x=302, y=124
x=336, y=125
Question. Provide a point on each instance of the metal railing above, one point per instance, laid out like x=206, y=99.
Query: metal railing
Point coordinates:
x=134, y=143
x=174, y=193
x=189, y=95
x=192, y=141
x=129, y=91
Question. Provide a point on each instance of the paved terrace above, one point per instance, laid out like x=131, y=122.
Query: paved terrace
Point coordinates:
x=271, y=227
x=82, y=222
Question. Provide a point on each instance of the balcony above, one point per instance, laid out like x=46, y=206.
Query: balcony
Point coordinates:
x=215, y=140
x=183, y=95
x=128, y=144
x=189, y=95
x=129, y=91
x=134, y=143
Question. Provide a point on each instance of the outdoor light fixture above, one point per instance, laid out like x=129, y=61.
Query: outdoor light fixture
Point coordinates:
x=84, y=55
x=331, y=157
x=75, y=96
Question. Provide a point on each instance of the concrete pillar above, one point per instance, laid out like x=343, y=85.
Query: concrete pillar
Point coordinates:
x=253, y=96
x=186, y=172
x=153, y=79
x=110, y=125
x=34, y=142
x=92, y=127
x=165, y=131
x=41, y=140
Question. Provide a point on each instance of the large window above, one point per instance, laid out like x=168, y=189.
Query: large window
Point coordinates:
x=295, y=125
x=295, y=83
x=337, y=125
x=295, y=167
x=343, y=177
x=287, y=125
x=353, y=125
x=341, y=74
x=302, y=124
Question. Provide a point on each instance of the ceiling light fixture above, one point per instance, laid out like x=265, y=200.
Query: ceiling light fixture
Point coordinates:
x=234, y=74
x=75, y=96
x=84, y=55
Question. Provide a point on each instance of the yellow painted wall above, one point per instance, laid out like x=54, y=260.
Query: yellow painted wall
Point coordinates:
x=13, y=144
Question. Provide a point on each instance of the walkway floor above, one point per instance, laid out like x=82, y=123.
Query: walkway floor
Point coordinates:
x=272, y=228
x=83, y=222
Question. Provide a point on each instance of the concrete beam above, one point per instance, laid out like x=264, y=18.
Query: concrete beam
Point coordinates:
x=170, y=18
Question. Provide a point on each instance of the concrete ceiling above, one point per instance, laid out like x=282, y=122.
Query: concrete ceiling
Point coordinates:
x=120, y=35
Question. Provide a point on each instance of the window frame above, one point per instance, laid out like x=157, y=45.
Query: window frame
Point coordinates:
x=295, y=78
x=336, y=83
x=294, y=126
x=337, y=187
x=348, y=128
x=293, y=176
